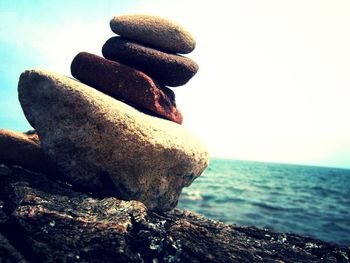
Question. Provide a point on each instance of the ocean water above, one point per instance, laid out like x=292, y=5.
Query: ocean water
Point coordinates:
x=307, y=200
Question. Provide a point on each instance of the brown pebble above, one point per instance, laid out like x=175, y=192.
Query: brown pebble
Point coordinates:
x=127, y=84
x=17, y=148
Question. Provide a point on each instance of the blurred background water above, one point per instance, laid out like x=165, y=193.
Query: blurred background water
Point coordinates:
x=307, y=200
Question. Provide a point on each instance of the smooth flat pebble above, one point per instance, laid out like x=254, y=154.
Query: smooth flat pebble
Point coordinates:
x=125, y=83
x=154, y=31
x=168, y=69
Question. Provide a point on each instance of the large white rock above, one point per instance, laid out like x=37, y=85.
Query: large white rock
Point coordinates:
x=108, y=147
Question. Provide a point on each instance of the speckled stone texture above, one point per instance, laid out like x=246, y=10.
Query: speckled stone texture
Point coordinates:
x=25, y=150
x=154, y=31
x=168, y=69
x=127, y=84
x=42, y=220
x=99, y=142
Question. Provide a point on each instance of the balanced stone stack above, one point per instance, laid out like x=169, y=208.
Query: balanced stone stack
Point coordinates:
x=140, y=64
x=119, y=135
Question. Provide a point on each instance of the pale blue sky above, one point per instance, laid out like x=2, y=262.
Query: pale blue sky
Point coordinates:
x=274, y=78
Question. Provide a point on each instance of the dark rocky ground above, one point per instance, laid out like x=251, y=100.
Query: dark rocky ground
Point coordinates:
x=45, y=220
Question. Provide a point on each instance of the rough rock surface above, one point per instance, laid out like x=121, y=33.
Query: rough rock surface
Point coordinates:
x=42, y=220
x=154, y=31
x=107, y=146
x=169, y=69
x=24, y=150
x=125, y=83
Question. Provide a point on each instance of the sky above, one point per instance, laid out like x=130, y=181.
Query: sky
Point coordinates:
x=274, y=77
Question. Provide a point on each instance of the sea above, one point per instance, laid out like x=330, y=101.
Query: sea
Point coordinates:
x=307, y=200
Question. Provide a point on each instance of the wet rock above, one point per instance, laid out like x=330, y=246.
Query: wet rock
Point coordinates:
x=154, y=31
x=169, y=69
x=108, y=147
x=125, y=83
x=24, y=150
x=50, y=222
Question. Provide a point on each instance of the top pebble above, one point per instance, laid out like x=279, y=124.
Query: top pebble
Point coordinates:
x=155, y=32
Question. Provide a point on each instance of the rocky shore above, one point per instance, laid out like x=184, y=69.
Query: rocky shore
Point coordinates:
x=43, y=219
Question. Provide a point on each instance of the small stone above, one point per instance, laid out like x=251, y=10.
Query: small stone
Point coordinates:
x=125, y=83
x=99, y=142
x=154, y=31
x=169, y=69
x=17, y=148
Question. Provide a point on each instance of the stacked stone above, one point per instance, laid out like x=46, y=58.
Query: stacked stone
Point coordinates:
x=140, y=63
x=95, y=137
